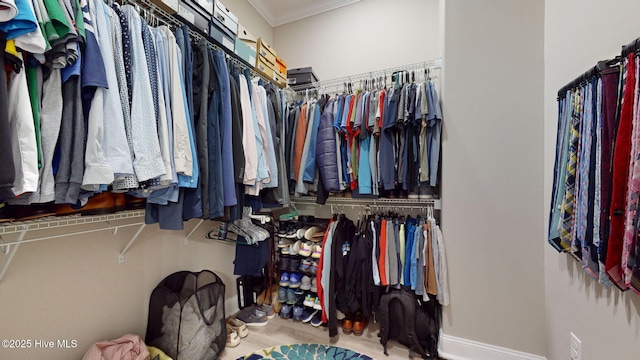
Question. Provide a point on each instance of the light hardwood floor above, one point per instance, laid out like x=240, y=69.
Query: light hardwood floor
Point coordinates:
x=280, y=332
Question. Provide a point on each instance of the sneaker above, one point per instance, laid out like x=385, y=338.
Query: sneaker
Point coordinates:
x=309, y=300
x=305, y=265
x=283, y=263
x=305, y=249
x=316, y=304
x=268, y=309
x=317, y=250
x=425, y=192
x=313, y=268
x=233, y=339
x=305, y=283
x=254, y=318
x=308, y=314
x=316, y=320
x=295, y=248
x=300, y=233
x=294, y=280
x=239, y=326
x=284, y=242
x=294, y=296
x=314, y=233
x=284, y=279
x=282, y=294
x=285, y=312
x=294, y=264
x=297, y=313
x=314, y=286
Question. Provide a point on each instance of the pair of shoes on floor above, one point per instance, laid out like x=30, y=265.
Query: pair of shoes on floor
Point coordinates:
x=253, y=316
x=298, y=311
x=308, y=314
x=236, y=330
x=355, y=325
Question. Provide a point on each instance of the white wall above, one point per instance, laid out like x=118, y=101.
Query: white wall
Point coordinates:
x=492, y=171
x=577, y=35
x=74, y=287
x=250, y=19
x=367, y=36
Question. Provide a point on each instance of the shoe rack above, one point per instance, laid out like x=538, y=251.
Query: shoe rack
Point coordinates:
x=13, y=234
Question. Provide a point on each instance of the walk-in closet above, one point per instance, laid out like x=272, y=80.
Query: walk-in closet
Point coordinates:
x=339, y=179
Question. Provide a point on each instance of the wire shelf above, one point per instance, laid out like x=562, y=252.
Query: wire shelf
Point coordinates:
x=383, y=203
x=53, y=222
x=339, y=82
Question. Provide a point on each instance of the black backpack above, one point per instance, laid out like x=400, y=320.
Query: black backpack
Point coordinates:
x=407, y=320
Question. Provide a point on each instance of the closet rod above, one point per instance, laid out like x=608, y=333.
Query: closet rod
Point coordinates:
x=377, y=208
x=631, y=47
x=435, y=64
x=164, y=17
x=587, y=75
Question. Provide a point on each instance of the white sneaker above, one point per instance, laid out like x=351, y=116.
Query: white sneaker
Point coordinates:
x=294, y=249
x=305, y=249
x=233, y=339
x=283, y=243
x=317, y=250
x=300, y=233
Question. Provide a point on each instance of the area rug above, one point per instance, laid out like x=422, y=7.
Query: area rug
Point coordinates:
x=305, y=352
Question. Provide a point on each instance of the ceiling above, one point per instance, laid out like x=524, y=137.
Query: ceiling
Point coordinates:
x=280, y=12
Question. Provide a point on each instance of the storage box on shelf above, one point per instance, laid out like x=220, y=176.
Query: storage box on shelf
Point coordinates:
x=169, y=6
x=225, y=17
x=281, y=67
x=224, y=26
x=194, y=16
x=301, y=76
x=246, y=46
x=267, y=64
x=266, y=52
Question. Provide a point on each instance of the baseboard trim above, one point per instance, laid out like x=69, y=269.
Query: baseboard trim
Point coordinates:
x=455, y=348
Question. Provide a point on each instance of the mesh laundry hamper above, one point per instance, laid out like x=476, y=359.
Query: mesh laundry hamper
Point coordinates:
x=186, y=316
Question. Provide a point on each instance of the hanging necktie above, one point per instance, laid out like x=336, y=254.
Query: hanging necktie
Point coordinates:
x=621, y=158
x=568, y=202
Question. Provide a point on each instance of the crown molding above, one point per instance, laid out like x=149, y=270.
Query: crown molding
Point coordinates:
x=298, y=13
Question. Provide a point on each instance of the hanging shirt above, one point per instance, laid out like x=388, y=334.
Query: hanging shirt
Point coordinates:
x=120, y=43
x=25, y=151
x=434, y=121
x=182, y=155
x=248, y=135
x=148, y=159
x=22, y=23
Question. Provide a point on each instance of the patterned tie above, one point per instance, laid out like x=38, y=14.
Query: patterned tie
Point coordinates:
x=585, y=237
x=633, y=190
x=568, y=202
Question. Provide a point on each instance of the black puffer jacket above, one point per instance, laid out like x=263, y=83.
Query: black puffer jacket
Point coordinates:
x=326, y=150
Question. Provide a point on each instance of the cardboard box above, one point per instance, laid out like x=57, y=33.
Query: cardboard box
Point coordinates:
x=225, y=17
x=281, y=67
x=267, y=52
x=264, y=68
x=194, y=16
x=243, y=34
x=301, y=76
x=246, y=51
x=170, y=6
x=206, y=5
x=222, y=35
